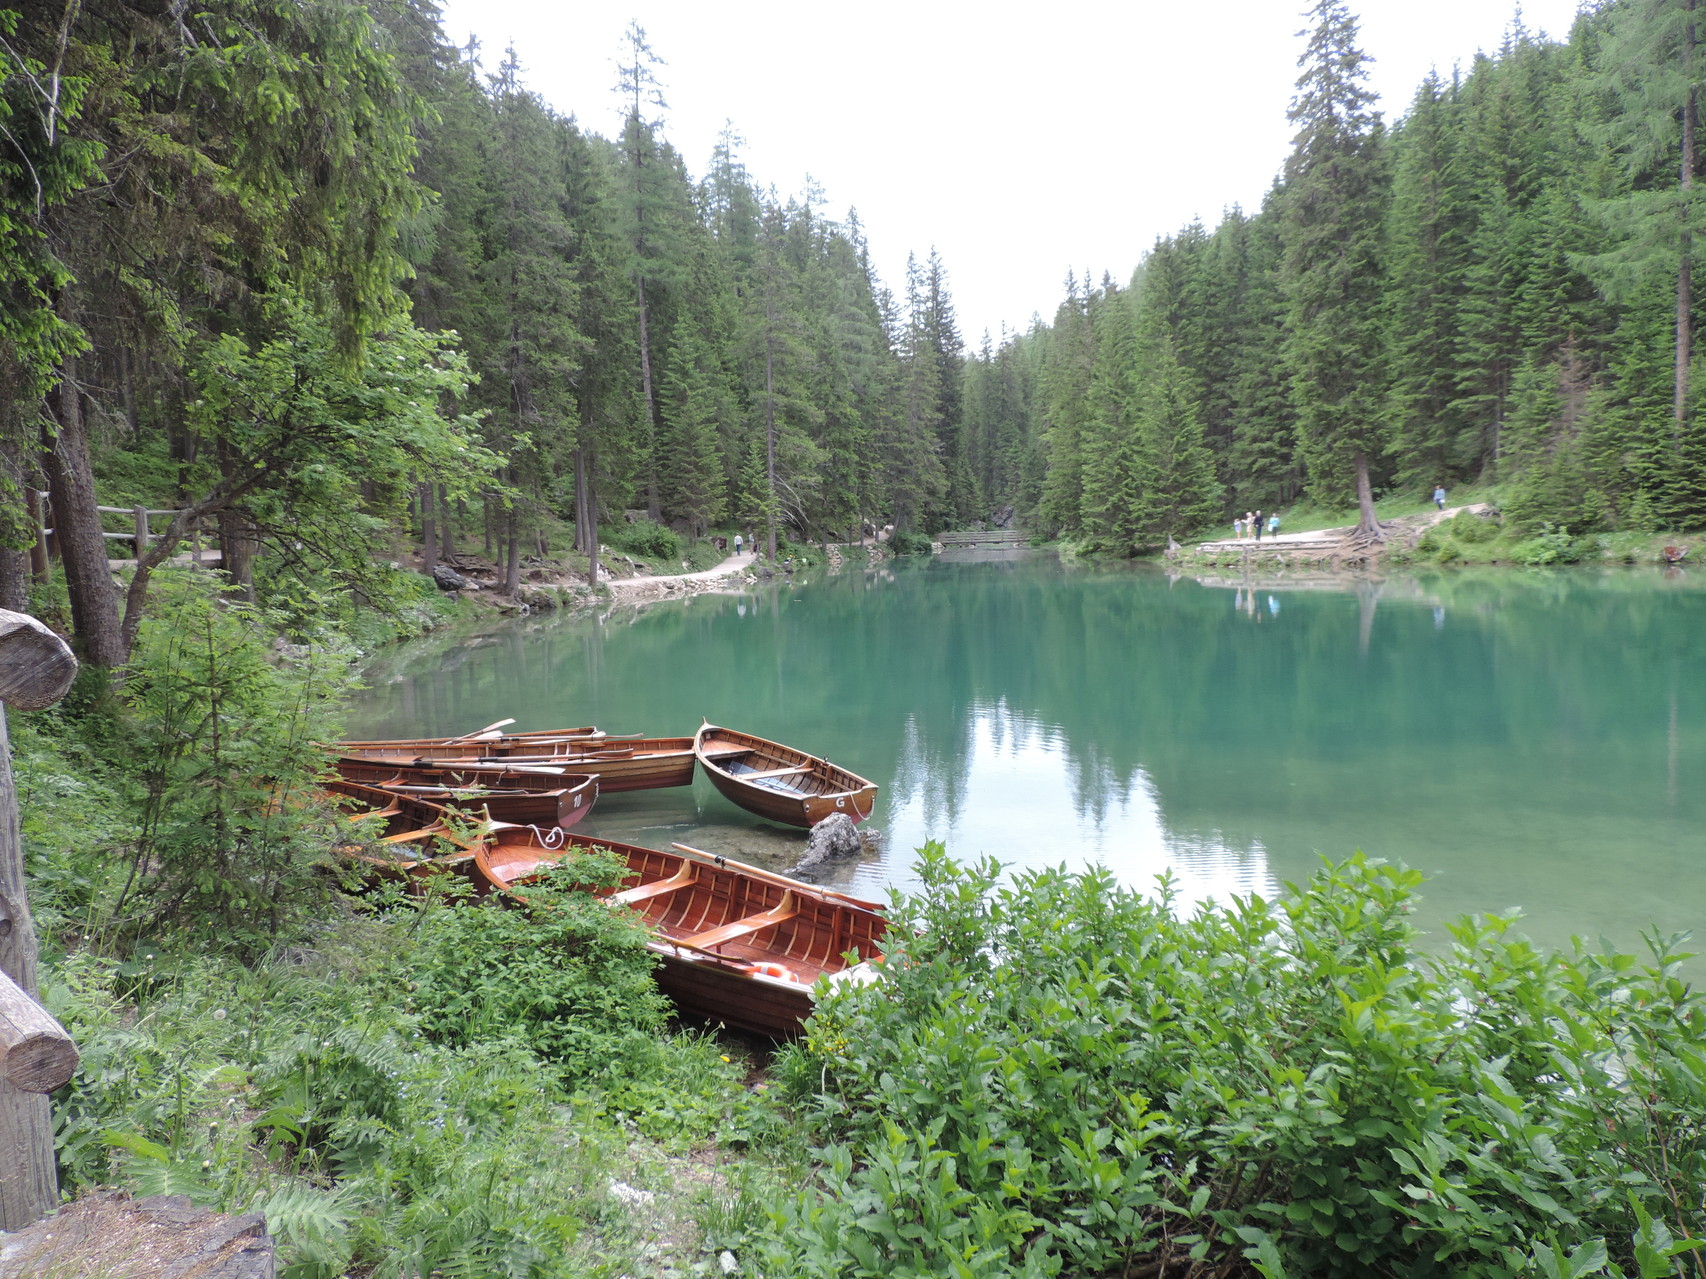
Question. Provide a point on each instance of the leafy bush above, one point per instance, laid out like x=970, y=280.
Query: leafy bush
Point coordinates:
x=909, y=543
x=644, y=538
x=1438, y=545
x=1472, y=529
x=1553, y=546
x=570, y=975
x=1064, y=1077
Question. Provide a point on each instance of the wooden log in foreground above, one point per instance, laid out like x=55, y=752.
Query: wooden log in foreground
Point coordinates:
x=36, y=1053
x=36, y=670
x=36, y=667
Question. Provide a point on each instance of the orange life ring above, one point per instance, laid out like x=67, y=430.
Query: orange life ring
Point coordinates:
x=776, y=970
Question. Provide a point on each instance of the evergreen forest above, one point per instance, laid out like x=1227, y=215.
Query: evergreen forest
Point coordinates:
x=310, y=278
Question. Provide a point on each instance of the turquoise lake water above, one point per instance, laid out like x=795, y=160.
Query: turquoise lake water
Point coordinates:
x=1527, y=739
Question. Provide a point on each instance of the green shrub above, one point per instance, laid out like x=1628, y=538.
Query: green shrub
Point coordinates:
x=230, y=833
x=1061, y=1076
x=909, y=543
x=1553, y=545
x=644, y=538
x=569, y=975
x=1471, y=529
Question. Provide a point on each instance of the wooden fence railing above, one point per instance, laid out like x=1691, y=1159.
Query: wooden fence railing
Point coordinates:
x=139, y=533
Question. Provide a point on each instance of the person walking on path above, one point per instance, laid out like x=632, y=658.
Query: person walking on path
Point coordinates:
x=737, y=543
x=1258, y=526
x=1273, y=528
x=1439, y=496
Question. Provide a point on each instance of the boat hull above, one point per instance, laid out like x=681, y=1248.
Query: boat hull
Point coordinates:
x=649, y=763
x=553, y=799
x=780, y=783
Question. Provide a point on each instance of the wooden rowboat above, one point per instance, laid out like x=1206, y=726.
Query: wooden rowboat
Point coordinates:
x=551, y=799
x=622, y=764
x=411, y=837
x=736, y=943
x=778, y=782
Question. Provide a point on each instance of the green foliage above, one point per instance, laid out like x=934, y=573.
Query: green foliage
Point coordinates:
x=909, y=543
x=1061, y=1076
x=644, y=537
x=309, y=1088
x=1553, y=545
x=229, y=836
x=569, y=974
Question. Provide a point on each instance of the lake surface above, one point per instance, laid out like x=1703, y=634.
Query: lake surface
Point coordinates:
x=1532, y=740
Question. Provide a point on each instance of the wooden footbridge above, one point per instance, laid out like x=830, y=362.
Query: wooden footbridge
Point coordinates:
x=984, y=539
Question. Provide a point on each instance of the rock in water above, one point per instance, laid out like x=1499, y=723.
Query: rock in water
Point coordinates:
x=447, y=578
x=832, y=838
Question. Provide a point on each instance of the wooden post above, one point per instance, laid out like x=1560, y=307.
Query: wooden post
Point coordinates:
x=141, y=532
x=36, y=669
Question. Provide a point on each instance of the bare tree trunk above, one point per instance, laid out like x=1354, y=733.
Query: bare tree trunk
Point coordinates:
x=654, y=506
x=14, y=580
x=237, y=552
x=77, y=527
x=1368, y=524
x=429, y=532
x=1684, y=269
x=512, y=566
x=769, y=430
x=444, y=544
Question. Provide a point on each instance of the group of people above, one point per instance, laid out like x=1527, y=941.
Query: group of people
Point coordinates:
x=1251, y=525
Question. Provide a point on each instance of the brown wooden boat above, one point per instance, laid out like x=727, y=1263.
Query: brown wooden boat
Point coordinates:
x=412, y=837
x=622, y=764
x=738, y=944
x=778, y=782
x=553, y=799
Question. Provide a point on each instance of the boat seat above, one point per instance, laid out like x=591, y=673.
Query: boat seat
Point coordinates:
x=775, y=772
x=683, y=878
x=742, y=927
x=410, y=836
x=374, y=812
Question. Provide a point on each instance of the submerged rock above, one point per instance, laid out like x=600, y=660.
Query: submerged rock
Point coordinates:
x=832, y=839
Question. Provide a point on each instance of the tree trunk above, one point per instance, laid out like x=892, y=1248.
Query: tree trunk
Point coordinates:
x=654, y=506
x=769, y=431
x=1684, y=269
x=512, y=549
x=237, y=552
x=445, y=547
x=429, y=532
x=77, y=527
x=1368, y=524
x=14, y=580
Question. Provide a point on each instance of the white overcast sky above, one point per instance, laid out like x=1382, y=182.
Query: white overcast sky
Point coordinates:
x=1022, y=142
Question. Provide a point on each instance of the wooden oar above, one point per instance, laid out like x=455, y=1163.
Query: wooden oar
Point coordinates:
x=481, y=732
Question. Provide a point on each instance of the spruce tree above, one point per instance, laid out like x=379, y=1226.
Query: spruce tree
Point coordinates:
x=1333, y=203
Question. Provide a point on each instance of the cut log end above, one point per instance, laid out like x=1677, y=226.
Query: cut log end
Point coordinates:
x=41, y=1062
x=36, y=666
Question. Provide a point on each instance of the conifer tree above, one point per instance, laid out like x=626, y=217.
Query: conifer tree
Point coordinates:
x=1333, y=206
